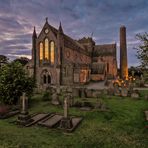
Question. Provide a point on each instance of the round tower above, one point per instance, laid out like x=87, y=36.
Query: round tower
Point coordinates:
x=123, y=54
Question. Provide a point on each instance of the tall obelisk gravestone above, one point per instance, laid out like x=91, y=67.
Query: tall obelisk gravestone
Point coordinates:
x=123, y=53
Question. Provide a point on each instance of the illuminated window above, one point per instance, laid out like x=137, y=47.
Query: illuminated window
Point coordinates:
x=83, y=75
x=46, y=49
x=41, y=51
x=52, y=52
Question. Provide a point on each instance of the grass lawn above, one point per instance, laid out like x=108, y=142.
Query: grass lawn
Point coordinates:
x=123, y=127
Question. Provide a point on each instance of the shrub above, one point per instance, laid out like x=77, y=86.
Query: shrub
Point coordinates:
x=46, y=96
x=13, y=81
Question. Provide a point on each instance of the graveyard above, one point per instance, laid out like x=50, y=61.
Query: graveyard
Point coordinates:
x=76, y=80
x=123, y=125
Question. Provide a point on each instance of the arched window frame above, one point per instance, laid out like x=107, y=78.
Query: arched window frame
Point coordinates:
x=52, y=59
x=46, y=49
x=41, y=53
x=46, y=77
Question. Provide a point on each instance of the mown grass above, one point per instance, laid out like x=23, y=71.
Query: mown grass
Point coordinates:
x=122, y=127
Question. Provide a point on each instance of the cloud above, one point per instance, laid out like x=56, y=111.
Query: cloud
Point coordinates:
x=79, y=18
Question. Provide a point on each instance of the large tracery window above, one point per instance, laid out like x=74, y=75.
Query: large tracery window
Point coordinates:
x=46, y=49
x=41, y=51
x=52, y=52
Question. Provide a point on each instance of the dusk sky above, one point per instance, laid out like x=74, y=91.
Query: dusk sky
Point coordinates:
x=79, y=18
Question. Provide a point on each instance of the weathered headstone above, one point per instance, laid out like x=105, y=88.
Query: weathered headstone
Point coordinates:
x=24, y=117
x=66, y=122
x=117, y=90
x=66, y=108
x=111, y=89
x=96, y=93
x=124, y=91
x=55, y=98
x=88, y=93
x=135, y=94
x=130, y=87
x=75, y=92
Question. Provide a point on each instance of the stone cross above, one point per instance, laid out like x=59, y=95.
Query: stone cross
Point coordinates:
x=24, y=102
x=66, y=107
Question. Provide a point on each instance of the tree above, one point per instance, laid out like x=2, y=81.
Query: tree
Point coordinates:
x=3, y=60
x=13, y=82
x=142, y=49
x=22, y=60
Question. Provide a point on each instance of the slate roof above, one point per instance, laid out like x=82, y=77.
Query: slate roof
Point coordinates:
x=68, y=41
x=105, y=50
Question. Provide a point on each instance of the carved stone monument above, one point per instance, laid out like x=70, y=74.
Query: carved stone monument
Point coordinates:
x=66, y=122
x=24, y=117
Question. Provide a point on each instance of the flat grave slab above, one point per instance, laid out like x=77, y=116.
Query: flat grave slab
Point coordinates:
x=51, y=121
x=37, y=117
x=75, y=122
x=9, y=114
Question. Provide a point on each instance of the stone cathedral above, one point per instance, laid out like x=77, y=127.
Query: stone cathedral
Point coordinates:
x=57, y=59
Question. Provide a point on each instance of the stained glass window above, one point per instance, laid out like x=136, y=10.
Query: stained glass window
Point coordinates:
x=52, y=52
x=46, y=49
x=41, y=51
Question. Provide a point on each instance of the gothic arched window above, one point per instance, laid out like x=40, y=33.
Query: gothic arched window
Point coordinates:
x=49, y=79
x=46, y=49
x=52, y=51
x=41, y=51
x=44, y=79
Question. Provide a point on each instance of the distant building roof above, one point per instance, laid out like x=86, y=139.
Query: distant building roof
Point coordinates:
x=105, y=50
